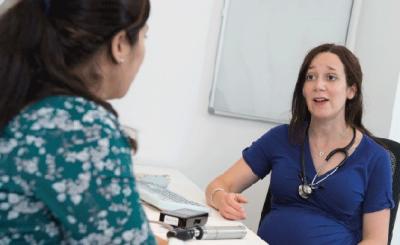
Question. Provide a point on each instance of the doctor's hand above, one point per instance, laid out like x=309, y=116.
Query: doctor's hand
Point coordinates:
x=230, y=205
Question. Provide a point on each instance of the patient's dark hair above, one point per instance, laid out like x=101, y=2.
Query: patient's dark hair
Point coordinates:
x=42, y=41
x=354, y=107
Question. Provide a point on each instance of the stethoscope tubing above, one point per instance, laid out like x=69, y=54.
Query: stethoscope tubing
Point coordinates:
x=343, y=150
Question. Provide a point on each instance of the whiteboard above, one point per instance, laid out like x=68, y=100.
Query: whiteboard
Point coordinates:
x=262, y=44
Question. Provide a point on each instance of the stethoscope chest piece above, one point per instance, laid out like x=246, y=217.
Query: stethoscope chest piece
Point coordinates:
x=305, y=191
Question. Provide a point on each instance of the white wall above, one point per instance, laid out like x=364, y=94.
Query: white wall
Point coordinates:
x=394, y=133
x=168, y=101
x=378, y=48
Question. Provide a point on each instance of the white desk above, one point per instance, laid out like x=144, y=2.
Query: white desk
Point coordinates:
x=182, y=185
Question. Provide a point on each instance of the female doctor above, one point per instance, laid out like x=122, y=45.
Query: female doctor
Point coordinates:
x=330, y=181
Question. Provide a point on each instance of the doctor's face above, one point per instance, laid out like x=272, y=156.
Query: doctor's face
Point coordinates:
x=325, y=88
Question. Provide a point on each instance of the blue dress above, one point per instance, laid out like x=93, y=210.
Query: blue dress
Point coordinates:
x=333, y=214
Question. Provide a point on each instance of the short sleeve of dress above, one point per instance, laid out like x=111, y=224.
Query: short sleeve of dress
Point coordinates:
x=85, y=176
x=379, y=190
x=258, y=154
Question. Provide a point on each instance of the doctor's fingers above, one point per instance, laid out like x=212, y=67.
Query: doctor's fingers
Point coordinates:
x=235, y=200
x=240, y=198
x=231, y=213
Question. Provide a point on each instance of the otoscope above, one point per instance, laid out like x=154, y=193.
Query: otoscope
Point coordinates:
x=209, y=232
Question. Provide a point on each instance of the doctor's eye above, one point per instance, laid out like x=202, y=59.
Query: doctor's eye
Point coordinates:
x=332, y=77
x=310, y=77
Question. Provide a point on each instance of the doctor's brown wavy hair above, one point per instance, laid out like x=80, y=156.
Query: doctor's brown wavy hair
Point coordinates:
x=353, y=108
x=42, y=41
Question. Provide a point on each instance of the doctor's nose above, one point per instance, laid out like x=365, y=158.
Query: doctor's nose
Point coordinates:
x=320, y=84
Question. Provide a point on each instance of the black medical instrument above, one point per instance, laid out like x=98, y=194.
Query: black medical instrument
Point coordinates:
x=306, y=189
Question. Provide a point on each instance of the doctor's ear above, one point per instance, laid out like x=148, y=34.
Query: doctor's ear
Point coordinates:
x=351, y=92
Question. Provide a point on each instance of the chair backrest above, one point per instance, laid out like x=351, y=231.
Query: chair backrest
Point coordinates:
x=393, y=148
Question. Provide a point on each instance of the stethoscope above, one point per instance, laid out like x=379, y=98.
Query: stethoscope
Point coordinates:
x=305, y=188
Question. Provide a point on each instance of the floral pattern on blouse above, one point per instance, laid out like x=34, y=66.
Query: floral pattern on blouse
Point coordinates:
x=66, y=177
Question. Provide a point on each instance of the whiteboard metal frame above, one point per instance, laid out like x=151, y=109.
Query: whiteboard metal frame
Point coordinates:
x=349, y=43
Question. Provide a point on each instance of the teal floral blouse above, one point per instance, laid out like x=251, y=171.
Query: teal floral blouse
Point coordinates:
x=66, y=177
